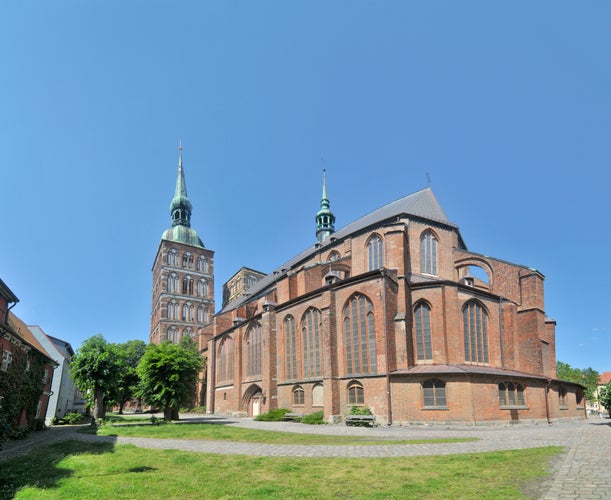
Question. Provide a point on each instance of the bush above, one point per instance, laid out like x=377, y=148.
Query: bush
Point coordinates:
x=57, y=421
x=73, y=418
x=360, y=410
x=316, y=418
x=273, y=415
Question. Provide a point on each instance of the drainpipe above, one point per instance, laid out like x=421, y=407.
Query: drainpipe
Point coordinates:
x=549, y=381
x=388, y=394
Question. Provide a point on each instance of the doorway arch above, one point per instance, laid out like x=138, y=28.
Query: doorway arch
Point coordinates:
x=252, y=400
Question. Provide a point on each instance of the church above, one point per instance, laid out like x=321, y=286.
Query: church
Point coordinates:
x=392, y=312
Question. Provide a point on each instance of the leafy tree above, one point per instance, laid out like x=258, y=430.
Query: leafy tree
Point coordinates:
x=604, y=398
x=587, y=377
x=130, y=354
x=168, y=374
x=95, y=368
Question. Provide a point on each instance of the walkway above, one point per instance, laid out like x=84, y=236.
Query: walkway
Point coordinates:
x=584, y=471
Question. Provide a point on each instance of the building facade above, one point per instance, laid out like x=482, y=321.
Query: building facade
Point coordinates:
x=26, y=371
x=392, y=312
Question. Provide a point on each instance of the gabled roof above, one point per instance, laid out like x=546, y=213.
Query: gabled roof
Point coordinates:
x=422, y=204
x=21, y=329
x=605, y=378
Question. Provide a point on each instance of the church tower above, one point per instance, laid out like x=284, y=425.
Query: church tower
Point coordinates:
x=325, y=220
x=183, y=276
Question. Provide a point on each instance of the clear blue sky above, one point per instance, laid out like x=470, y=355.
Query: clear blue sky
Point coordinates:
x=506, y=105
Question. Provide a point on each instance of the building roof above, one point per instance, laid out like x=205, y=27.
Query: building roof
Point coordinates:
x=462, y=369
x=183, y=234
x=421, y=204
x=21, y=329
x=7, y=293
x=605, y=378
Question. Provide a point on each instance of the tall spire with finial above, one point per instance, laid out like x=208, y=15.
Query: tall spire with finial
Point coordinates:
x=180, y=207
x=325, y=220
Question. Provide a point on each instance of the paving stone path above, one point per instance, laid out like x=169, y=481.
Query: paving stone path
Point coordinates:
x=583, y=471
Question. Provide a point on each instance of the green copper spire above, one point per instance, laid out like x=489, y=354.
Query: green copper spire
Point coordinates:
x=181, y=207
x=180, y=210
x=325, y=220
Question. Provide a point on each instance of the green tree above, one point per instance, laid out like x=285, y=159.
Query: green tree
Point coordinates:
x=95, y=368
x=130, y=354
x=604, y=398
x=587, y=377
x=168, y=374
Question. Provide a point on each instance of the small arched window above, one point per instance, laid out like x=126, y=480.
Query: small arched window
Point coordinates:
x=187, y=332
x=334, y=255
x=422, y=327
x=173, y=310
x=187, y=285
x=200, y=314
x=172, y=257
x=511, y=394
x=428, y=253
x=202, y=264
x=173, y=334
x=374, y=253
x=356, y=394
x=298, y=396
x=475, y=325
x=173, y=283
x=187, y=260
x=434, y=393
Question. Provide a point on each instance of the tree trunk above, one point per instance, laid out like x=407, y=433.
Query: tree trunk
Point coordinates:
x=99, y=409
x=170, y=413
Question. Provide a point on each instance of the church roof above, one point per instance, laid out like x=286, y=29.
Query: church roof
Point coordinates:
x=421, y=204
x=183, y=234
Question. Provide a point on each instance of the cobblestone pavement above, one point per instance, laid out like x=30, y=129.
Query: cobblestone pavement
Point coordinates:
x=583, y=471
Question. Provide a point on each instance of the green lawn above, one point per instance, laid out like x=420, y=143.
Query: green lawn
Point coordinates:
x=219, y=432
x=75, y=470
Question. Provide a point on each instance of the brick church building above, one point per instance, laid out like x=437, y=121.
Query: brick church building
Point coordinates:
x=391, y=311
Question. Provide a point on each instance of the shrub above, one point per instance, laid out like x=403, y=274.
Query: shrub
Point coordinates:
x=73, y=418
x=273, y=415
x=316, y=418
x=360, y=410
x=57, y=421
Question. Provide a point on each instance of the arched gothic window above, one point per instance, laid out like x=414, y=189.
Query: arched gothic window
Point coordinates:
x=356, y=394
x=202, y=288
x=422, y=327
x=434, y=392
x=359, y=336
x=318, y=395
x=428, y=253
x=173, y=334
x=475, y=324
x=298, y=396
x=311, y=341
x=187, y=332
x=173, y=310
x=374, y=253
x=187, y=260
x=200, y=314
x=224, y=361
x=187, y=285
x=290, y=348
x=172, y=257
x=173, y=283
x=202, y=264
x=253, y=347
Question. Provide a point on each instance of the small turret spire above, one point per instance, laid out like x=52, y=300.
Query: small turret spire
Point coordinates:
x=325, y=220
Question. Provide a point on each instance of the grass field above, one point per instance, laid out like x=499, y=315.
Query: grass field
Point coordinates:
x=218, y=432
x=75, y=470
